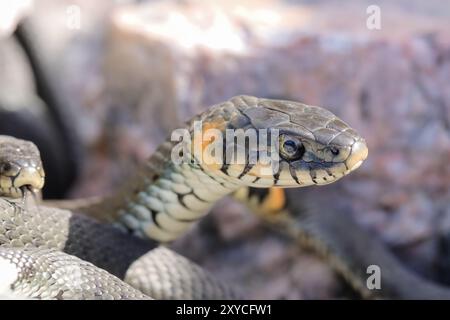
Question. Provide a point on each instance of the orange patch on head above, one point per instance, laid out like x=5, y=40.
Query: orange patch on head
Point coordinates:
x=274, y=202
x=218, y=124
x=201, y=143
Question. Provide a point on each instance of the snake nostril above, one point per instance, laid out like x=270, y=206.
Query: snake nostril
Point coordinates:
x=5, y=167
x=334, y=151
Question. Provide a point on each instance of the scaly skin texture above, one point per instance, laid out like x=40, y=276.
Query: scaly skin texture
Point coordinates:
x=166, y=198
x=108, y=248
x=66, y=277
x=178, y=278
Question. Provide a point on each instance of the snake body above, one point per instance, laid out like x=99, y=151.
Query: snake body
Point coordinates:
x=65, y=276
x=342, y=243
x=166, y=198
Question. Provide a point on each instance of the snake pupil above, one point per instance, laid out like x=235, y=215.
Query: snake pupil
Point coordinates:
x=292, y=149
x=290, y=146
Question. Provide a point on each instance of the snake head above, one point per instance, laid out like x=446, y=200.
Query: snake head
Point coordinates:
x=309, y=145
x=20, y=167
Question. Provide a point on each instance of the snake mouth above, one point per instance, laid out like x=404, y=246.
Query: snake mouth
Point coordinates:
x=15, y=179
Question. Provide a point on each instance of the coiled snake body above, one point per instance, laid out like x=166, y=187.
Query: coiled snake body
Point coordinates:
x=313, y=147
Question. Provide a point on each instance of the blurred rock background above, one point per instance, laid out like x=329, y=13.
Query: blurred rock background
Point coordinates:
x=133, y=71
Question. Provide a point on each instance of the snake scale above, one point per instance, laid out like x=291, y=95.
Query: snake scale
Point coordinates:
x=163, y=201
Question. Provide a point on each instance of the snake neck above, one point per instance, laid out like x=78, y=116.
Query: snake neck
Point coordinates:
x=164, y=200
x=167, y=197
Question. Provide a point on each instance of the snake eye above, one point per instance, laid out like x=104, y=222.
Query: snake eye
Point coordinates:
x=291, y=149
x=9, y=169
